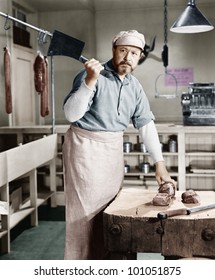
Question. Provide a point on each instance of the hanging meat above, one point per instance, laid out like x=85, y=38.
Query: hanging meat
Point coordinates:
x=7, y=73
x=39, y=73
x=41, y=82
x=44, y=106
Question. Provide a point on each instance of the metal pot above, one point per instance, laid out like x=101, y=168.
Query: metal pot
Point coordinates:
x=143, y=148
x=127, y=147
x=126, y=168
x=144, y=167
x=172, y=146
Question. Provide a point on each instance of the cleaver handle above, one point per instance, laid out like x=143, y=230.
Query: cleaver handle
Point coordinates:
x=172, y=213
x=83, y=59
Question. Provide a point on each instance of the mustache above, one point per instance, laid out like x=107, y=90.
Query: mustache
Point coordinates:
x=125, y=63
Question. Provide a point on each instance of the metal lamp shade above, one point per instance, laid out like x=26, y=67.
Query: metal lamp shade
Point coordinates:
x=191, y=21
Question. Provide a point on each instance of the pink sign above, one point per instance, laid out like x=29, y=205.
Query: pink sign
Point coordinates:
x=183, y=76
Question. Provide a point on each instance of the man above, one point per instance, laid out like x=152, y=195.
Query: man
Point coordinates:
x=103, y=101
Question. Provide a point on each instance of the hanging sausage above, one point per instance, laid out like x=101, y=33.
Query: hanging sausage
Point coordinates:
x=41, y=82
x=44, y=111
x=39, y=73
x=7, y=73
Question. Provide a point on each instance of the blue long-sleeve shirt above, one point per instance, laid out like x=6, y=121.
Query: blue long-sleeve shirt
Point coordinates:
x=113, y=104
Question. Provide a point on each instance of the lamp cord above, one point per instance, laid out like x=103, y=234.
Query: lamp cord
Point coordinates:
x=164, y=55
x=165, y=23
x=165, y=47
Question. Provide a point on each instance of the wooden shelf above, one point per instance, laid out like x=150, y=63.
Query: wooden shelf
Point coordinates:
x=136, y=153
x=26, y=209
x=200, y=153
x=2, y=233
x=170, y=154
x=15, y=164
x=19, y=215
x=43, y=196
x=192, y=143
x=139, y=173
x=206, y=174
x=150, y=174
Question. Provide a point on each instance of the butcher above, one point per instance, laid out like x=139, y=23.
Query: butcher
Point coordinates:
x=104, y=100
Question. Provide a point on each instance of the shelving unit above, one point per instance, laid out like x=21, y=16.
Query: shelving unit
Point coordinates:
x=22, y=162
x=192, y=165
x=134, y=158
x=193, y=143
x=12, y=136
x=200, y=157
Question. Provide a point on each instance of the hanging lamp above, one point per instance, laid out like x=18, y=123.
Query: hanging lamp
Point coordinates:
x=191, y=21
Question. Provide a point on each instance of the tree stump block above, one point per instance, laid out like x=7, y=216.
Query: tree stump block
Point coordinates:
x=131, y=226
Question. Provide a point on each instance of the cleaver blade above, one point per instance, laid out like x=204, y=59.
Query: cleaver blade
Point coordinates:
x=65, y=45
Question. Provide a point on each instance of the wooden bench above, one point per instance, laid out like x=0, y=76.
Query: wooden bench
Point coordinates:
x=23, y=161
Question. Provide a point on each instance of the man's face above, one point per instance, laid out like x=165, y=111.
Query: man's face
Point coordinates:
x=125, y=59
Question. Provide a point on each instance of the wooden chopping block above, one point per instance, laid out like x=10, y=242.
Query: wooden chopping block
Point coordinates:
x=131, y=225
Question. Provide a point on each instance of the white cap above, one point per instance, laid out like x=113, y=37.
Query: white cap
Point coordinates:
x=129, y=38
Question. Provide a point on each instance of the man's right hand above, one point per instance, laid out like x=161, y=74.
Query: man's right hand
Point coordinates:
x=93, y=68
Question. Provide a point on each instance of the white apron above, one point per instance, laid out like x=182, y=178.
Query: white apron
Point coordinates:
x=93, y=174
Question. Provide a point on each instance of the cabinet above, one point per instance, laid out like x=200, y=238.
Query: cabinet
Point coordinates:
x=19, y=163
x=200, y=157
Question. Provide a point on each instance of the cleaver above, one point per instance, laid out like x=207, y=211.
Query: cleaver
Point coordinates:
x=63, y=44
x=183, y=211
